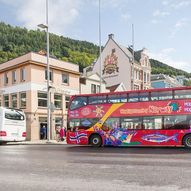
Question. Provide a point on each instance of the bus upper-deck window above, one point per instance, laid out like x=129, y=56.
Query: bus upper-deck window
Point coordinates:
x=117, y=98
x=144, y=96
x=78, y=102
x=97, y=99
x=133, y=97
x=165, y=95
x=182, y=94
x=154, y=96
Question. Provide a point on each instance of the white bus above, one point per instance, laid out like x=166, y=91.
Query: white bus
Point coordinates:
x=12, y=125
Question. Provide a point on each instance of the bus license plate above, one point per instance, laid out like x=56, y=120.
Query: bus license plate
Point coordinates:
x=14, y=134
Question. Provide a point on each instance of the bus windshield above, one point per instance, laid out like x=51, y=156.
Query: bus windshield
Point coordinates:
x=14, y=115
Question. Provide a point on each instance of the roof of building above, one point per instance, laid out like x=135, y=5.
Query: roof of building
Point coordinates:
x=137, y=54
x=39, y=59
x=113, y=88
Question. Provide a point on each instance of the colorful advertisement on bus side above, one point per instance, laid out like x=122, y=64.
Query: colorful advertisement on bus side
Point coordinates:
x=133, y=109
x=124, y=137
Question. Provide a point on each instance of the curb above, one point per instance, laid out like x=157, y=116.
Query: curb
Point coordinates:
x=37, y=143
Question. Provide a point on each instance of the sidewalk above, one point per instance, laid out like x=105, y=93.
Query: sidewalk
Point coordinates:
x=39, y=142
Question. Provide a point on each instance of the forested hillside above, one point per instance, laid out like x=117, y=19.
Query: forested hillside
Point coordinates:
x=161, y=68
x=16, y=41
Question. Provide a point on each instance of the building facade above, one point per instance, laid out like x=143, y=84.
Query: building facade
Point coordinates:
x=90, y=83
x=122, y=64
x=164, y=81
x=23, y=84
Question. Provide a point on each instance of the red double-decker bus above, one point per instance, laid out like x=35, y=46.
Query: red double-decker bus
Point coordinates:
x=156, y=117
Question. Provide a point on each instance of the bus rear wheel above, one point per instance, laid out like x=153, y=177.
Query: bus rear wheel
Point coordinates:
x=95, y=140
x=187, y=141
x=3, y=143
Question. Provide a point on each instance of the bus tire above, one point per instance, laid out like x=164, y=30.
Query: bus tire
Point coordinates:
x=187, y=141
x=3, y=143
x=95, y=140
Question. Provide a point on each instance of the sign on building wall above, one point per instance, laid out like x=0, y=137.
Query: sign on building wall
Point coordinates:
x=110, y=65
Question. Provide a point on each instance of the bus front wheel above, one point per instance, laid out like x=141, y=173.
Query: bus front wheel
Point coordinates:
x=95, y=140
x=187, y=141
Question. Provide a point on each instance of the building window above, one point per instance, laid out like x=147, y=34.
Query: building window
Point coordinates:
x=58, y=122
x=23, y=100
x=58, y=101
x=14, y=100
x=14, y=76
x=136, y=87
x=98, y=88
x=6, y=100
x=65, y=78
x=6, y=79
x=148, y=77
x=42, y=99
x=50, y=75
x=67, y=101
x=23, y=74
x=145, y=77
x=93, y=88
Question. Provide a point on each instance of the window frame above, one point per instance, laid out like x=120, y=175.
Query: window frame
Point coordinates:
x=6, y=95
x=12, y=100
x=67, y=78
x=22, y=74
x=42, y=99
x=58, y=101
x=21, y=101
x=50, y=75
x=14, y=76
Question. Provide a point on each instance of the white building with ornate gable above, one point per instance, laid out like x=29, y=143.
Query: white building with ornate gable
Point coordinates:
x=118, y=66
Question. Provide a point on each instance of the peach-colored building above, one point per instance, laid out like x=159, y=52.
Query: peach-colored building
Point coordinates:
x=23, y=85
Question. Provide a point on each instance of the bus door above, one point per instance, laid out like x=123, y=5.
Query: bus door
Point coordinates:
x=175, y=126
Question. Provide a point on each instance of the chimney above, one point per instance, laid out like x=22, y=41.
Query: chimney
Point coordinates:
x=111, y=36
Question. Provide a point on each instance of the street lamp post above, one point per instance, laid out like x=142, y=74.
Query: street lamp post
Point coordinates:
x=100, y=61
x=45, y=26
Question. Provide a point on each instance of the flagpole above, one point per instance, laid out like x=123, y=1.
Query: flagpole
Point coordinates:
x=133, y=60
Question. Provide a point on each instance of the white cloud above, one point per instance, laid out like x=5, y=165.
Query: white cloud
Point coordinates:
x=179, y=25
x=125, y=17
x=159, y=16
x=182, y=23
x=166, y=56
x=180, y=4
x=176, y=4
x=159, y=13
x=62, y=14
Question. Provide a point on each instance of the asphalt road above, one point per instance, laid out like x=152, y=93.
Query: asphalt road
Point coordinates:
x=77, y=168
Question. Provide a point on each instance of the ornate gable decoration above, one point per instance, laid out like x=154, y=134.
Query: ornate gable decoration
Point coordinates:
x=110, y=63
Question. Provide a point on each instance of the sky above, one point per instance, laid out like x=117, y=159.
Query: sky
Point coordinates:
x=163, y=27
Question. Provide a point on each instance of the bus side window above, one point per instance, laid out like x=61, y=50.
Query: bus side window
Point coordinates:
x=154, y=96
